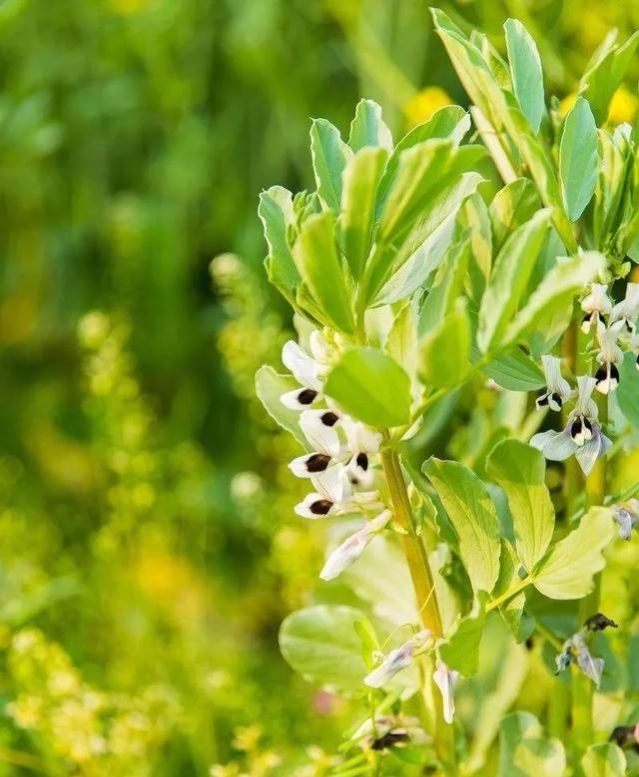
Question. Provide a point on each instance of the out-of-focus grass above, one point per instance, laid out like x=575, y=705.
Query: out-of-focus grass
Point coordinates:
x=147, y=546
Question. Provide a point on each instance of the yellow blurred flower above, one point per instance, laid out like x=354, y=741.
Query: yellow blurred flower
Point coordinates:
x=127, y=7
x=566, y=104
x=623, y=106
x=424, y=104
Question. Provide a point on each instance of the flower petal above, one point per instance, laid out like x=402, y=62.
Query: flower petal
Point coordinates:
x=300, y=364
x=314, y=506
x=299, y=399
x=446, y=680
x=556, y=446
x=320, y=429
x=310, y=465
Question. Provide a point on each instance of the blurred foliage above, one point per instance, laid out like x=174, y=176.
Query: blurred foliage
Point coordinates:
x=148, y=551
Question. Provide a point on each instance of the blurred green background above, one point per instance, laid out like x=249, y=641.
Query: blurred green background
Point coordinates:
x=148, y=550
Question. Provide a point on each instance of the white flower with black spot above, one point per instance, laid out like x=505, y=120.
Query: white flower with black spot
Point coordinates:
x=557, y=388
x=582, y=436
x=609, y=358
x=308, y=371
x=595, y=305
x=398, y=659
x=624, y=315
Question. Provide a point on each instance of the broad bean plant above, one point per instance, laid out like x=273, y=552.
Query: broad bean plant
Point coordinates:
x=465, y=394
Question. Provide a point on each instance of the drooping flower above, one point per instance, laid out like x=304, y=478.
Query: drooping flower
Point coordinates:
x=625, y=313
x=353, y=547
x=446, y=680
x=609, y=357
x=320, y=429
x=582, y=436
x=335, y=496
x=576, y=648
x=308, y=371
x=397, y=659
x=627, y=517
x=595, y=305
x=387, y=732
x=557, y=388
x=363, y=443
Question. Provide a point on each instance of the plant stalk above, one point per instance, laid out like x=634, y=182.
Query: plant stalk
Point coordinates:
x=582, y=688
x=424, y=586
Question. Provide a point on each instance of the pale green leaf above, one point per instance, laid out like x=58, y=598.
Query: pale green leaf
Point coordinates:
x=321, y=644
x=371, y=386
x=461, y=649
x=515, y=371
x=511, y=207
x=628, y=391
x=508, y=280
x=361, y=180
x=604, y=760
x=526, y=749
x=526, y=73
x=276, y=214
x=473, y=515
x=318, y=262
x=330, y=155
x=567, y=571
x=520, y=470
x=555, y=294
x=578, y=158
x=269, y=387
x=444, y=352
x=368, y=127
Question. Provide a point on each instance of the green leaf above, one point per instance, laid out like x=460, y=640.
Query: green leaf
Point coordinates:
x=628, y=391
x=578, y=158
x=330, y=155
x=567, y=571
x=448, y=123
x=511, y=207
x=605, y=760
x=605, y=71
x=318, y=262
x=361, y=180
x=419, y=177
x=391, y=256
x=555, y=294
x=526, y=72
x=461, y=650
x=508, y=280
x=371, y=386
x=526, y=750
x=321, y=644
x=515, y=371
x=368, y=128
x=276, y=214
x=473, y=516
x=520, y=470
x=425, y=260
x=444, y=352
x=446, y=287
x=269, y=387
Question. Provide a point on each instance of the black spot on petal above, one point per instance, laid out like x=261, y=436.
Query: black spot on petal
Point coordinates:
x=577, y=428
x=362, y=461
x=588, y=425
x=542, y=400
x=599, y=622
x=321, y=507
x=307, y=396
x=614, y=372
x=317, y=462
x=556, y=398
x=329, y=418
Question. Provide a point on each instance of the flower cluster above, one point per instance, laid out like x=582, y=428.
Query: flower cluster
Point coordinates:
x=614, y=326
x=341, y=459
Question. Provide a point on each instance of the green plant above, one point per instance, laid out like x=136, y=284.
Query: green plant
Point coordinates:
x=418, y=271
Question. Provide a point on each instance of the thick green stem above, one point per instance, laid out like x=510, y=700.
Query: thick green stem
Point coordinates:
x=424, y=585
x=414, y=549
x=582, y=688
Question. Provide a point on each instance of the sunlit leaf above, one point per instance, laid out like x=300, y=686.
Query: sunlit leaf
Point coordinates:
x=330, y=155
x=371, y=386
x=526, y=73
x=578, y=158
